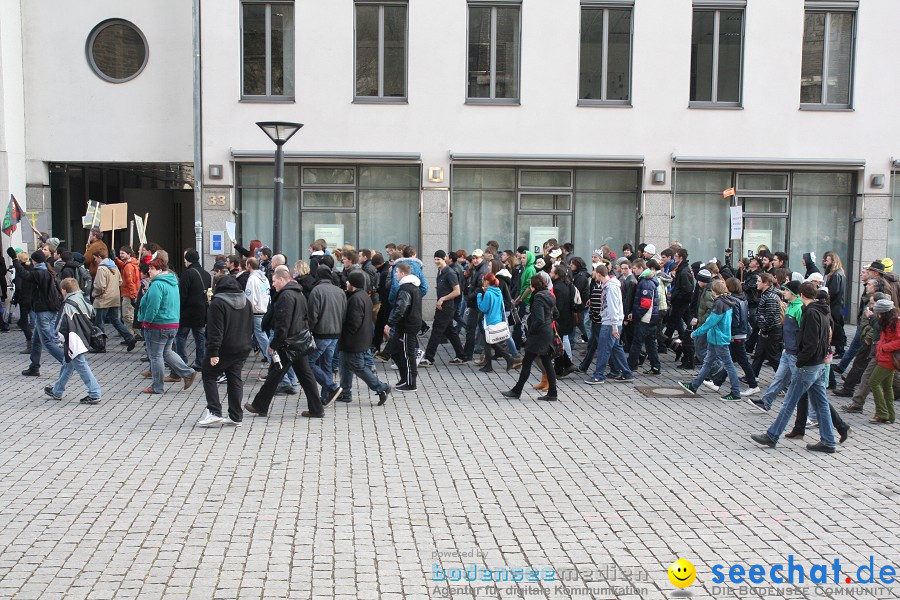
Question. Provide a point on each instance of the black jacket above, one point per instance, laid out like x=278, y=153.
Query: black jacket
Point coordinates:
x=540, y=323
x=384, y=283
x=564, y=292
x=45, y=294
x=69, y=269
x=629, y=287
x=192, y=288
x=288, y=314
x=815, y=334
x=835, y=287
x=356, y=332
x=307, y=282
x=24, y=292
x=242, y=279
x=750, y=291
x=682, y=285
x=406, y=313
x=229, y=323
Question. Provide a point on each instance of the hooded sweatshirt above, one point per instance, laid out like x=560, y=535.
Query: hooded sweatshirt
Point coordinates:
x=490, y=303
x=815, y=334
x=612, y=314
x=416, y=269
x=525, y=279
x=810, y=264
x=229, y=324
x=791, y=329
x=107, y=285
x=717, y=326
x=161, y=304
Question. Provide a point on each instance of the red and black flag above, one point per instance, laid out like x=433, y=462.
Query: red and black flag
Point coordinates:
x=13, y=215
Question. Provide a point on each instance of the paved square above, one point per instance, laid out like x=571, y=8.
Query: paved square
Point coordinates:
x=602, y=490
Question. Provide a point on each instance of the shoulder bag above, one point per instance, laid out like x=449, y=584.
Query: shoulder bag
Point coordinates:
x=494, y=334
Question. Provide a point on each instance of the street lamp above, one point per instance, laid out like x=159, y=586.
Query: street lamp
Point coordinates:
x=279, y=132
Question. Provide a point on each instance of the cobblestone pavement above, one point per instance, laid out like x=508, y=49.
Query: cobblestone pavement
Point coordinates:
x=130, y=498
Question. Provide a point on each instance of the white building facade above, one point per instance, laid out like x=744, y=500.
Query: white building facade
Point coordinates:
x=448, y=123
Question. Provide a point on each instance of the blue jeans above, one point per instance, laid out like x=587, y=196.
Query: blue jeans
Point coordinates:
x=45, y=332
x=199, y=343
x=355, y=363
x=609, y=349
x=851, y=352
x=320, y=361
x=112, y=315
x=261, y=339
x=159, y=348
x=716, y=355
x=700, y=345
x=805, y=380
x=80, y=365
x=782, y=378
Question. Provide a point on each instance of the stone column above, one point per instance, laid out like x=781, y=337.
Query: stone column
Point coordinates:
x=870, y=241
x=656, y=225
x=435, y=236
x=217, y=207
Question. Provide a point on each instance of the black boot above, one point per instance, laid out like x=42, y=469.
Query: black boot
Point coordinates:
x=32, y=371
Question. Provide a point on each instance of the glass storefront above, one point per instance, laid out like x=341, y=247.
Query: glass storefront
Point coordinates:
x=526, y=206
x=367, y=206
x=893, y=241
x=796, y=212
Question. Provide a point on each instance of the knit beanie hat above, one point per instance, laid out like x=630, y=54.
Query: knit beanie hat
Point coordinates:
x=883, y=306
x=793, y=287
x=704, y=276
x=357, y=279
x=650, y=249
x=38, y=256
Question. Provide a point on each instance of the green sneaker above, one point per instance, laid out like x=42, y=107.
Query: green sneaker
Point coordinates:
x=731, y=398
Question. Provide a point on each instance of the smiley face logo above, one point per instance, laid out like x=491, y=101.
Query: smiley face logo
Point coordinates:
x=682, y=573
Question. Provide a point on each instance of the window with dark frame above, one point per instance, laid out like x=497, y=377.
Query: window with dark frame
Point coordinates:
x=381, y=50
x=605, y=55
x=717, y=41
x=267, y=50
x=826, y=78
x=493, y=52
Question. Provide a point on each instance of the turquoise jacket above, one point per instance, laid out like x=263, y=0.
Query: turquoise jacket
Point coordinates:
x=717, y=326
x=490, y=303
x=161, y=305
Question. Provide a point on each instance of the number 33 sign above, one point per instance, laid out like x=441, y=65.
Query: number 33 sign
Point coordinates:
x=216, y=200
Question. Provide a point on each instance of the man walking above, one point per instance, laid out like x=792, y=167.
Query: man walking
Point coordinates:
x=107, y=296
x=327, y=308
x=228, y=327
x=76, y=333
x=194, y=287
x=447, y=297
x=814, y=339
x=406, y=320
x=355, y=338
x=609, y=344
x=46, y=300
x=257, y=292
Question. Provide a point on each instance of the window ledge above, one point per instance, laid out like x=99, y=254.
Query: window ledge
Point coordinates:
x=493, y=102
x=605, y=103
x=267, y=99
x=379, y=100
x=826, y=107
x=715, y=106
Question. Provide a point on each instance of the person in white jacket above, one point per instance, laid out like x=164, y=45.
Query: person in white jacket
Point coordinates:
x=257, y=292
x=609, y=344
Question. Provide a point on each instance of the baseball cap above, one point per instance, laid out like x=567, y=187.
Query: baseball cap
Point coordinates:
x=478, y=252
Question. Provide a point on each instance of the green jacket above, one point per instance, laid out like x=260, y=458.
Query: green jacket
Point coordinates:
x=705, y=304
x=161, y=305
x=527, y=273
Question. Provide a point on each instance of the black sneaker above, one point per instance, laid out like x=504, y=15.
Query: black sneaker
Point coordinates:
x=48, y=390
x=763, y=439
x=131, y=344
x=345, y=398
x=622, y=379
x=510, y=394
x=383, y=396
x=405, y=388
x=688, y=387
x=653, y=372
x=757, y=404
x=821, y=447
x=548, y=397
x=89, y=400
x=32, y=372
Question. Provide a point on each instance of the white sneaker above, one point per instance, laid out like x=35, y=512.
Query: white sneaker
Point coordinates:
x=420, y=354
x=394, y=366
x=750, y=391
x=221, y=379
x=711, y=385
x=228, y=421
x=811, y=422
x=208, y=419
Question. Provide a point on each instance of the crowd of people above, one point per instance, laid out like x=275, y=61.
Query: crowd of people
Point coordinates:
x=325, y=322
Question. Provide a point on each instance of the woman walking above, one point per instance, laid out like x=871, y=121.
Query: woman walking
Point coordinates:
x=159, y=314
x=539, y=342
x=882, y=379
x=490, y=303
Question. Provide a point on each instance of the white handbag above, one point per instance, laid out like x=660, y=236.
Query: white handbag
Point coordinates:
x=494, y=334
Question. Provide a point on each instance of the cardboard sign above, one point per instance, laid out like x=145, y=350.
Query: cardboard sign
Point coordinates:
x=141, y=226
x=91, y=218
x=113, y=216
x=737, y=222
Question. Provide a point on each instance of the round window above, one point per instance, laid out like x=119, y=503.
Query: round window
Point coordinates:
x=117, y=50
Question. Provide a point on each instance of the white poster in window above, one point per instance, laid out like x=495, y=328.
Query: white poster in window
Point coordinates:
x=737, y=222
x=230, y=230
x=754, y=238
x=538, y=235
x=333, y=234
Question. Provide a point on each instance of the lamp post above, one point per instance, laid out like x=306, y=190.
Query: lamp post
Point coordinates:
x=279, y=132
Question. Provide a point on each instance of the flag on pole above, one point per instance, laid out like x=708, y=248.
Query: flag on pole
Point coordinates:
x=728, y=192
x=13, y=216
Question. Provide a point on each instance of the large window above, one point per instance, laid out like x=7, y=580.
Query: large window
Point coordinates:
x=826, y=78
x=527, y=206
x=267, y=50
x=716, y=57
x=366, y=205
x=700, y=219
x=381, y=32
x=605, y=55
x=821, y=211
x=493, y=54
x=117, y=50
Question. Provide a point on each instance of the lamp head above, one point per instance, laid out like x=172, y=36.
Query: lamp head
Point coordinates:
x=279, y=131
